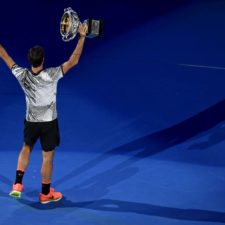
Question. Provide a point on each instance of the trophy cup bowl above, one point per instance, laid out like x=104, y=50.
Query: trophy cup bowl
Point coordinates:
x=70, y=23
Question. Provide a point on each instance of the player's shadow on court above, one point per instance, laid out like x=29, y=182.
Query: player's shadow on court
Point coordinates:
x=214, y=137
x=179, y=133
x=7, y=182
x=110, y=205
x=159, y=141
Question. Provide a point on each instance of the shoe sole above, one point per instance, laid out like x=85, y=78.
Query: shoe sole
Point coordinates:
x=53, y=200
x=15, y=194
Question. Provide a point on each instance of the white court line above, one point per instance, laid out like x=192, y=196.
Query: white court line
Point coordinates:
x=203, y=66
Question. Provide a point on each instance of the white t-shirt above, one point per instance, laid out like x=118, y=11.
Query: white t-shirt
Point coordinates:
x=40, y=91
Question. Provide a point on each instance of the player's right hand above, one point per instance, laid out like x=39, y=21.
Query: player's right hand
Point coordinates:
x=82, y=30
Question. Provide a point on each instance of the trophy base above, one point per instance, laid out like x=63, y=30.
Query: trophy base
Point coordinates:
x=95, y=28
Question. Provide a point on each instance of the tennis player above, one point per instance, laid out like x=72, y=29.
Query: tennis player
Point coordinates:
x=40, y=88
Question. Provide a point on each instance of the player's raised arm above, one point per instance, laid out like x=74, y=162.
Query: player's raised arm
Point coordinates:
x=75, y=56
x=5, y=57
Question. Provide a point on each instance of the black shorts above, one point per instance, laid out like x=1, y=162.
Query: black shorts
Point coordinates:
x=48, y=132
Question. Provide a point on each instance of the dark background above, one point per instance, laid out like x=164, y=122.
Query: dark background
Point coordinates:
x=130, y=81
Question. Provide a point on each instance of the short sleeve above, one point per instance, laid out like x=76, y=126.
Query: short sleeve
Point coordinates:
x=55, y=73
x=18, y=72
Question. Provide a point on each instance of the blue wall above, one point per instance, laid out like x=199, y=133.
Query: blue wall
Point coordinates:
x=130, y=83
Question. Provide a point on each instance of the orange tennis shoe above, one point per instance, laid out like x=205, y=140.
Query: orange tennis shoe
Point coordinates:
x=16, y=190
x=52, y=196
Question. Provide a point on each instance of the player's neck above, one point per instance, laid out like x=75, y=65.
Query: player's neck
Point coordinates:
x=36, y=69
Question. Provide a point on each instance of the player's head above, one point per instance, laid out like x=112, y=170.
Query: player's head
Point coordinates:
x=36, y=56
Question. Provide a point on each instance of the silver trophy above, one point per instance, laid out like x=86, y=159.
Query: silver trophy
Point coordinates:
x=70, y=22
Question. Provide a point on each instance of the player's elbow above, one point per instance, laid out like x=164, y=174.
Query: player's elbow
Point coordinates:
x=75, y=62
x=71, y=64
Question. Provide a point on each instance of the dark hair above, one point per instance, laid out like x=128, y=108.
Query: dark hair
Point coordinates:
x=36, y=56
